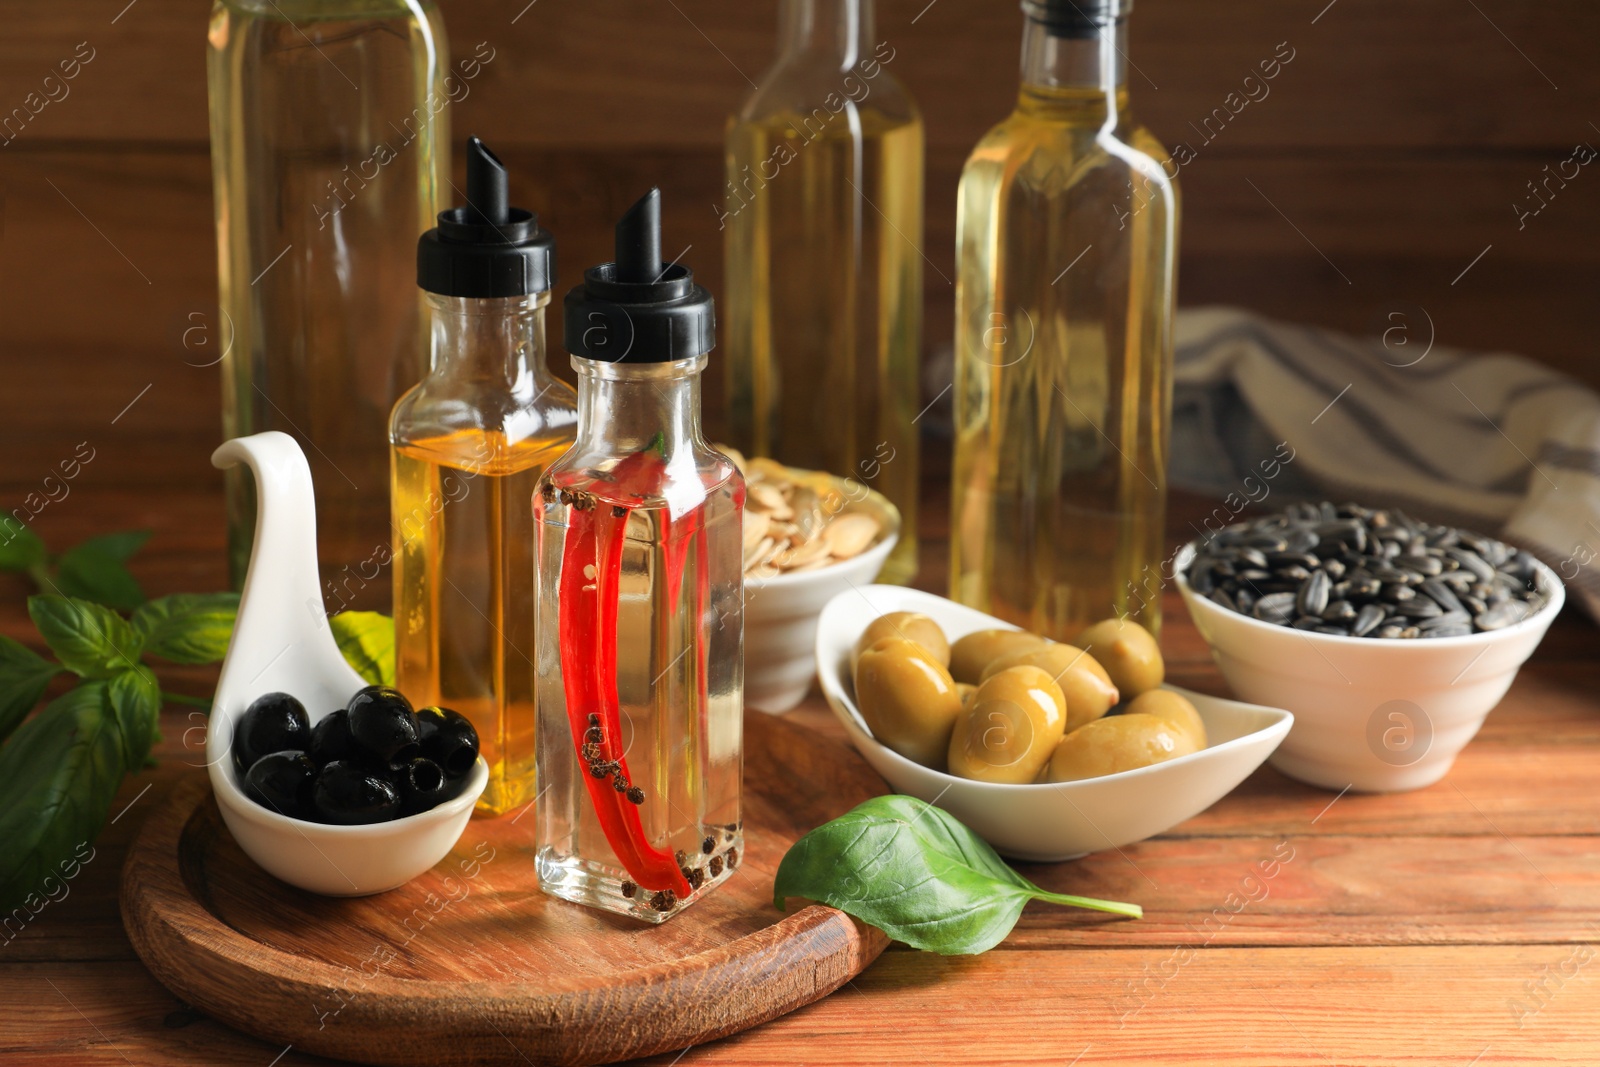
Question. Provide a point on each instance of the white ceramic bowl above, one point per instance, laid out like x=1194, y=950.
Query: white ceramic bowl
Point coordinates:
x=1046, y=822
x=1372, y=715
x=780, y=614
x=282, y=643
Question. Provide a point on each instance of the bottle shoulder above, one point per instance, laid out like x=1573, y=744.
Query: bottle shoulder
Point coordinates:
x=804, y=85
x=540, y=411
x=694, y=476
x=1023, y=156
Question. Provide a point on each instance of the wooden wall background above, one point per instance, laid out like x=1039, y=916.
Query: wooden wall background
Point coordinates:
x=1387, y=156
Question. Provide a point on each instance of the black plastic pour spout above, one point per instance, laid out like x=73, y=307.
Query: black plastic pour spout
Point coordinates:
x=637, y=309
x=486, y=248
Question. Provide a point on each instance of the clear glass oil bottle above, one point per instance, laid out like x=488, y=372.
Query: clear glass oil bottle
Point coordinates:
x=1067, y=221
x=469, y=444
x=329, y=153
x=641, y=673
x=822, y=231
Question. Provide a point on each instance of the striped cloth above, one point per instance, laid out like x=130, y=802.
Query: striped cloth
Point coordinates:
x=1487, y=441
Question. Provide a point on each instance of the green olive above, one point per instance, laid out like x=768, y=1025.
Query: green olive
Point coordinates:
x=908, y=699
x=1127, y=651
x=967, y=692
x=1118, y=743
x=1175, y=708
x=1007, y=733
x=972, y=653
x=911, y=625
x=1086, y=685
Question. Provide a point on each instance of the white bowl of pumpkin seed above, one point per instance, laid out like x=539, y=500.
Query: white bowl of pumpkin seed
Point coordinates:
x=1046, y=750
x=808, y=536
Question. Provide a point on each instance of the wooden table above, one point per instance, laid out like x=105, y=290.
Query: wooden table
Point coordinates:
x=1285, y=926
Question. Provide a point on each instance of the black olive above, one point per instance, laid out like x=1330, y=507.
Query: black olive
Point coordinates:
x=330, y=738
x=448, y=739
x=422, y=786
x=272, y=723
x=348, y=794
x=281, y=782
x=382, y=724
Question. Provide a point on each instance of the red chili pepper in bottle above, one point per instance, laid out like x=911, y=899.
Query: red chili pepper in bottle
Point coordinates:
x=644, y=552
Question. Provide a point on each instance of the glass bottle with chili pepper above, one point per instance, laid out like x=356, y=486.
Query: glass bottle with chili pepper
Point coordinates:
x=641, y=618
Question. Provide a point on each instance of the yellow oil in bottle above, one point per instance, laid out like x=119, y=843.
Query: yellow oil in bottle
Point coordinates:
x=824, y=296
x=1067, y=223
x=465, y=606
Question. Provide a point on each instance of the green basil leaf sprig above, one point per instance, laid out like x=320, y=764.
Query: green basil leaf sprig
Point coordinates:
x=367, y=641
x=918, y=874
x=60, y=770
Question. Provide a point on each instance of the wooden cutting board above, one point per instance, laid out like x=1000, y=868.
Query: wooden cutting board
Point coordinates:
x=471, y=964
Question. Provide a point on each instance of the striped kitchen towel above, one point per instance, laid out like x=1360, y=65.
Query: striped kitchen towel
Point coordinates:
x=1488, y=441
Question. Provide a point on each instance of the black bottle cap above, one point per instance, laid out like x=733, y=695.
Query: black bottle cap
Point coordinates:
x=637, y=309
x=1076, y=18
x=486, y=248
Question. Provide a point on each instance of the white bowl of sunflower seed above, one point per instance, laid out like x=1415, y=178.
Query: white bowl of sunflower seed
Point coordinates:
x=808, y=536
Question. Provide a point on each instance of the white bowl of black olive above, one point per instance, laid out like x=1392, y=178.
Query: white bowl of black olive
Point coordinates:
x=1391, y=639
x=376, y=790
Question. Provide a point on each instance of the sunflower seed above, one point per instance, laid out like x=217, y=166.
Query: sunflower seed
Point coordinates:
x=1312, y=598
x=1368, y=617
x=1339, y=611
x=1275, y=607
x=1502, y=615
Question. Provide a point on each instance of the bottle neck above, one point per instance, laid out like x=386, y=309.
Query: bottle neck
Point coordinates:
x=1081, y=69
x=498, y=341
x=625, y=408
x=838, y=29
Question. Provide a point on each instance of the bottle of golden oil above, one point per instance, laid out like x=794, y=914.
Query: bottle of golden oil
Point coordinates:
x=1067, y=222
x=469, y=444
x=822, y=248
x=330, y=149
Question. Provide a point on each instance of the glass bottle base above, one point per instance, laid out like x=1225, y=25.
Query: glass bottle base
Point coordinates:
x=602, y=886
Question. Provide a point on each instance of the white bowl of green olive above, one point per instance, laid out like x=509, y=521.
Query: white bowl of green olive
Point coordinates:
x=1036, y=783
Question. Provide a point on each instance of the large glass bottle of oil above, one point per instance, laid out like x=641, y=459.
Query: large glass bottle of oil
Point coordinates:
x=1067, y=224
x=329, y=146
x=822, y=232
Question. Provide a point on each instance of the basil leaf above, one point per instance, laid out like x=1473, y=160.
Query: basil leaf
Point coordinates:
x=95, y=573
x=188, y=627
x=119, y=546
x=20, y=547
x=90, y=640
x=58, y=776
x=136, y=698
x=918, y=874
x=367, y=641
x=23, y=675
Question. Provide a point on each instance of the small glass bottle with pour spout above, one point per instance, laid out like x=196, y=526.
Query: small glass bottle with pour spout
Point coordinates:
x=641, y=616
x=470, y=442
